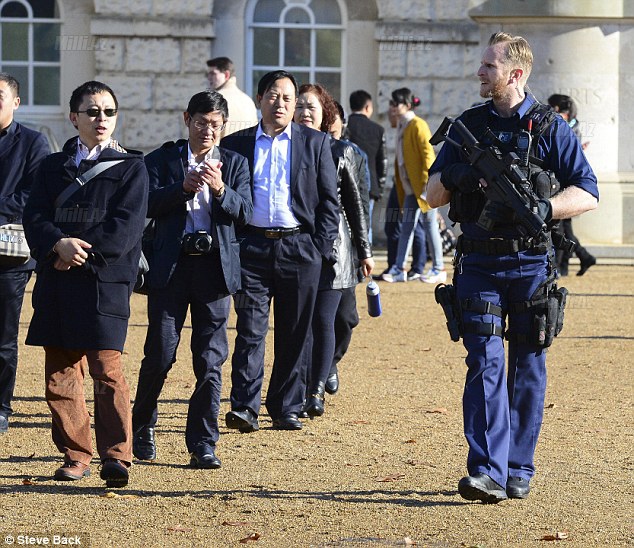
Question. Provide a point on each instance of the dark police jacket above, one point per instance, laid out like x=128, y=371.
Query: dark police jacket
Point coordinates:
x=21, y=151
x=167, y=205
x=86, y=307
x=313, y=182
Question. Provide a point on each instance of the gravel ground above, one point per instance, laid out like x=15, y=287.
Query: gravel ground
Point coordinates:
x=380, y=468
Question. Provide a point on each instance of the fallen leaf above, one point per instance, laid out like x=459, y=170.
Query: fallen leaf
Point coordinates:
x=235, y=523
x=392, y=477
x=559, y=535
x=410, y=441
x=31, y=455
x=441, y=410
x=427, y=349
x=29, y=481
x=359, y=422
x=113, y=495
x=178, y=529
x=551, y=406
x=252, y=536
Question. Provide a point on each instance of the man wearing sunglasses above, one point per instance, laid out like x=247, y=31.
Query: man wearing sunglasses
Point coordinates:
x=86, y=239
x=199, y=193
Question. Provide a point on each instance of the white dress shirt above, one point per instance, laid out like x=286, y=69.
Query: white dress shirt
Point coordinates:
x=272, y=181
x=199, y=207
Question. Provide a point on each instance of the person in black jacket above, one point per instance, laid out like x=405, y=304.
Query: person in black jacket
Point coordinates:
x=199, y=194
x=316, y=109
x=21, y=151
x=87, y=248
x=370, y=137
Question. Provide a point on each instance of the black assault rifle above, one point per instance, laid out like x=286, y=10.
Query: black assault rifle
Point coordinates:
x=505, y=181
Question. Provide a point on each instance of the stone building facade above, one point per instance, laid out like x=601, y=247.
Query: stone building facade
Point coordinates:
x=153, y=53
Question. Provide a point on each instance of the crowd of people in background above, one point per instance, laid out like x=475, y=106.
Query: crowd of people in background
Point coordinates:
x=269, y=210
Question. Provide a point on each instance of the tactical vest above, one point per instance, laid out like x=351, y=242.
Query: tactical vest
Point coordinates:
x=536, y=121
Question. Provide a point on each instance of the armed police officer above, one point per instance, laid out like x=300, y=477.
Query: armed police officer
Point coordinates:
x=504, y=273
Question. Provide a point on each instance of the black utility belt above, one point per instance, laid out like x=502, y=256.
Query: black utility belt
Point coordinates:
x=275, y=233
x=499, y=246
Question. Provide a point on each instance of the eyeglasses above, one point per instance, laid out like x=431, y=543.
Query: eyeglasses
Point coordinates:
x=93, y=112
x=201, y=126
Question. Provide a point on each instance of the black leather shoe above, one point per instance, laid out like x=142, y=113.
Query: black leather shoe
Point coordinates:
x=204, y=457
x=4, y=424
x=517, y=488
x=114, y=472
x=481, y=487
x=314, y=406
x=287, y=422
x=586, y=263
x=332, y=382
x=243, y=420
x=143, y=444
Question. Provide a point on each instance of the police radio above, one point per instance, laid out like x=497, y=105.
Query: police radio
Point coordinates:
x=524, y=139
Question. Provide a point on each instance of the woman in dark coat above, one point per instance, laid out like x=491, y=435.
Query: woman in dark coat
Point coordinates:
x=316, y=108
x=87, y=248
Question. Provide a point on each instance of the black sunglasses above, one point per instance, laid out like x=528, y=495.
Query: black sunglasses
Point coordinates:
x=93, y=112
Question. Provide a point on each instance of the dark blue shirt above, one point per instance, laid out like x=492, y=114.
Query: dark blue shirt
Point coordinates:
x=558, y=148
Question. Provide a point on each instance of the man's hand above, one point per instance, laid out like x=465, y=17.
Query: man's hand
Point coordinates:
x=462, y=177
x=498, y=213
x=211, y=176
x=70, y=252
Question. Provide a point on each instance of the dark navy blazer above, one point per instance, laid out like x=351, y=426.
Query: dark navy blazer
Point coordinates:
x=313, y=181
x=167, y=205
x=21, y=151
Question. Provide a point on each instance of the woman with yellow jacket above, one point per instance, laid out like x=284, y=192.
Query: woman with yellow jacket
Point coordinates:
x=414, y=157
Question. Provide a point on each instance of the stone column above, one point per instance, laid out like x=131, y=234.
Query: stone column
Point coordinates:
x=153, y=56
x=584, y=53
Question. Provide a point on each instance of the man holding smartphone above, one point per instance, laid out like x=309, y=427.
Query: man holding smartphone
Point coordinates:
x=198, y=194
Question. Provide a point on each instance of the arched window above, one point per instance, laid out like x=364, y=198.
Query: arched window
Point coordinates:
x=304, y=37
x=29, y=49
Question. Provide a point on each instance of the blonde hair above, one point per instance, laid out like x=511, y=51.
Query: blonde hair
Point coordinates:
x=518, y=51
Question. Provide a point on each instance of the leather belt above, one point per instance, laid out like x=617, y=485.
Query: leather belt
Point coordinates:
x=275, y=233
x=498, y=246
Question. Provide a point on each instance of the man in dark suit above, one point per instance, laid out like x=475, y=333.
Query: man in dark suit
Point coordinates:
x=198, y=195
x=370, y=137
x=21, y=151
x=295, y=222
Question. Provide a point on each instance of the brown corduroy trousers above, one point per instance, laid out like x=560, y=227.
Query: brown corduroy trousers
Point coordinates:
x=65, y=372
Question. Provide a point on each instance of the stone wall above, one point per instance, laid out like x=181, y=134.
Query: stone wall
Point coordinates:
x=153, y=55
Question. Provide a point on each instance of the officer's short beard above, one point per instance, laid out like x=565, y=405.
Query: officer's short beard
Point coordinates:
x=497, y=92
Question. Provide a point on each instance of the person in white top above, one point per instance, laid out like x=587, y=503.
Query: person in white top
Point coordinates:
x=222, y=78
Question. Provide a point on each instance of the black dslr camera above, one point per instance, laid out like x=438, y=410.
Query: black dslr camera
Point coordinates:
x=197, y=243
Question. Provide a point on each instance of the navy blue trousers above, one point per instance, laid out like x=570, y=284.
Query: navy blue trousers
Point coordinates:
x=502, y=414
x=12, y=286
x=197, y=284
x=285, y=272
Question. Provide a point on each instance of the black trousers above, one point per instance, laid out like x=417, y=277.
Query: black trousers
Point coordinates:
x=197, y=284
x=346, y=319
x=285, y=272
x=12, y=286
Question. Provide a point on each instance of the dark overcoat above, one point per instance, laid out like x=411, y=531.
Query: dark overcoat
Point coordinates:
x=167, y=206
x=86, y=308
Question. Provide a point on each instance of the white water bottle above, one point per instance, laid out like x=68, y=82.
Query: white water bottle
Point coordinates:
x=373, y=294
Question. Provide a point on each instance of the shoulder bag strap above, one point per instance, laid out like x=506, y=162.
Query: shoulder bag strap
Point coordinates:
x=81, y=180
